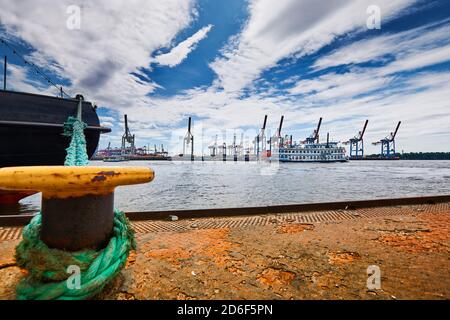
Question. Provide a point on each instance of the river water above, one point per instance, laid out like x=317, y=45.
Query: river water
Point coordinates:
x=186, y=185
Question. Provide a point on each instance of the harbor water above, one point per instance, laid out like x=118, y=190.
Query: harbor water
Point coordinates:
x=200, y=185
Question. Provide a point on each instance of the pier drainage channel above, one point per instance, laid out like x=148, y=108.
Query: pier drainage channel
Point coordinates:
x=158, y=226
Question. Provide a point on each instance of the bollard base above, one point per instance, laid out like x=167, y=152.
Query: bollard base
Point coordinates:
x=78, y=223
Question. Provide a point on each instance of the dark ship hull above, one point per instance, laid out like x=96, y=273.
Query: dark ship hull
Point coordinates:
x=31, y=128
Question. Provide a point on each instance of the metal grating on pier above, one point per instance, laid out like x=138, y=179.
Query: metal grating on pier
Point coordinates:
x=151, y=226
x=157, y=226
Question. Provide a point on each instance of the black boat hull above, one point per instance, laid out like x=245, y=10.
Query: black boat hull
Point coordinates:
x=31, y=128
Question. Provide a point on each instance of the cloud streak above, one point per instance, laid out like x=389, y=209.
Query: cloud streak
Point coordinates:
x=179, y=53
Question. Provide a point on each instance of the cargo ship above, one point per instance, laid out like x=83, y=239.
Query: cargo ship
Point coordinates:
x=31, y=131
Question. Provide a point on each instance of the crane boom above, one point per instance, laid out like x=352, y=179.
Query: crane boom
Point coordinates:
x=363, y=130
x=318, y=128
x=263, y=129
x=281, y=125
x=265, y=121
x=395, y=132
x=126, y=123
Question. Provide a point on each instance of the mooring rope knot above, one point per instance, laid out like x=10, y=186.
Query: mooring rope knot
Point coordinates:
x=48, y=278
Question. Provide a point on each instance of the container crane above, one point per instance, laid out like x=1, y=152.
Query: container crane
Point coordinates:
x=357, y=143
x=314, y=137
x=388, y=144
x=235, y=148
x=213, y=148
x=260, y=138
x=189, y=140
x=277, y=139
x=127, y=138
x=241, y=145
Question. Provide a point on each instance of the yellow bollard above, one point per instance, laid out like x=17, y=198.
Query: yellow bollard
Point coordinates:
x=77, y=202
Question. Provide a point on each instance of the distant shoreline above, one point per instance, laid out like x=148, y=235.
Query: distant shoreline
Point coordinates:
x=417, y=156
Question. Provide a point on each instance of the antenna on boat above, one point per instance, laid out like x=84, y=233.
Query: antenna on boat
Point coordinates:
x=4, y=74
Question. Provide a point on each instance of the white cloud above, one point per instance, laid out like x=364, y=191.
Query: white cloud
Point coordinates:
x=116, y=39
x=182, y=50
x=419, y=60
x=335, y=86
x=398, y=44
x=287, y=27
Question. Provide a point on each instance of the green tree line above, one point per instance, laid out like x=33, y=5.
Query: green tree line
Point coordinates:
x=425, y=156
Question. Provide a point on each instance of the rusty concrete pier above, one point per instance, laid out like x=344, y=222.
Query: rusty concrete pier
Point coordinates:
x=316, y=254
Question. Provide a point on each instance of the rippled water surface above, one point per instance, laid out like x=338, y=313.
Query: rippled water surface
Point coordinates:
x=185, y=185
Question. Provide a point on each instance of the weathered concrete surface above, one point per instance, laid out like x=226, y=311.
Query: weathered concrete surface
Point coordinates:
x=295, y=261
x=286, y=260
x=9, y=272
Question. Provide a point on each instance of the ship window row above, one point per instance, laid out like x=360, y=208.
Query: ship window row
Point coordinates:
x=311, y=157
x=311, y=151
x=320, y=146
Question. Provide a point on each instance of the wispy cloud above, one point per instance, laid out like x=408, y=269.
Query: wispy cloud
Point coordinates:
x=179, y=53
x=398, y=45
x=290, y=27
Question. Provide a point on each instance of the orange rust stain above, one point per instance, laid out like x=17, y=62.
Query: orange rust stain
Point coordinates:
x=342, y=257
x=294, y=228
x=272, y=277
x=174, y=247
x=172, y=255
x=131, y=259
x=434, y=237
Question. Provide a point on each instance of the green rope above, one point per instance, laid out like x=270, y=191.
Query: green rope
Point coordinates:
x=47, y=278
x=76, y=152
x=47, y=268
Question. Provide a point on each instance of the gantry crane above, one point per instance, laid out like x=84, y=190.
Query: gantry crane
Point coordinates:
x=357, y=143
x=127, y=138
x=189, y=140
x=277, y=139
x=388, y=144
x=260, y=138
x=233, y=148
x=314, y=137
x=213, y=148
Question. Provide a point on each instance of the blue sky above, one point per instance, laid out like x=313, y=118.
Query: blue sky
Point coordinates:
x=228, y=63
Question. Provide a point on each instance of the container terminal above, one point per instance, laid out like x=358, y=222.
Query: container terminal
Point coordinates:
x=275, y=148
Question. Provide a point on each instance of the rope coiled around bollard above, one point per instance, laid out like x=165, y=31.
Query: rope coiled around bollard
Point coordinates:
x=48, y=277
